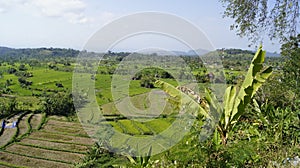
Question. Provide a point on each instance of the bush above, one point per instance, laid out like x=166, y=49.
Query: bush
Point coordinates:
x=59, y=104
x=276, y=93
x=147, y=82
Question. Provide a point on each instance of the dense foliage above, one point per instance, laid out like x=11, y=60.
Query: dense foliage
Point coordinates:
x=291, y=68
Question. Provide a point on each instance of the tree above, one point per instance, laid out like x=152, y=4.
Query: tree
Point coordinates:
x=278, y=19
x=291, y=51
x=59, y=104
x=147, y=82
x=23, y=82
x=22, y=67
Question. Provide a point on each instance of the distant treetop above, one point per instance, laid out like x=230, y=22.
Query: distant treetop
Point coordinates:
x=277, y=19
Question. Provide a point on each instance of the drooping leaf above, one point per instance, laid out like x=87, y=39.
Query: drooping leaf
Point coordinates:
x=211, y=99
x=184, y=99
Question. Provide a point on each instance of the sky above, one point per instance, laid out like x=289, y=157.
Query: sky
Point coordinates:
x=71, y=23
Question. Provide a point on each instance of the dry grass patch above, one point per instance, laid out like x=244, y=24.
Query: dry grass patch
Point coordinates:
x=47, y=154
x=64, y=123
x=61, y=138
x=73, y=119
x=23, y=125
x=56, y=145
x=36, y=120
x=60, y=118
x=7, y=135
x=63, y=129
x=6, y=165
x=2, y=166
x=30, y=162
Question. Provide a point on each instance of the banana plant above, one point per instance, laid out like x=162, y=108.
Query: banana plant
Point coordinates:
x=140, y=161
x=234, y=103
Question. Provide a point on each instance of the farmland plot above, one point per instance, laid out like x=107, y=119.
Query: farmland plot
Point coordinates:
x=14, y=159
x=36, y=120
x=59, y=156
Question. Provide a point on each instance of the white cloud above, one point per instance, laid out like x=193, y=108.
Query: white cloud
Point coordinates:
x=77, y=18
x=2, y=10
x=6, y=5
x=56, y=8
x=71, y=10
x=107, y=17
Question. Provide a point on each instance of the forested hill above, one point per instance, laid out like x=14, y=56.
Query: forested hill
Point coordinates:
x=39, y=53
x=43, y=53
x=234, y=51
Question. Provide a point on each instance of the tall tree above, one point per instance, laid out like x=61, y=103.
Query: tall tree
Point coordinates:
x=277, y=19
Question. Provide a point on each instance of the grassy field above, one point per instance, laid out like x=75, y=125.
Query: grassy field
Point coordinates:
x=141, y=103
x=128, y=127
x=132, y=127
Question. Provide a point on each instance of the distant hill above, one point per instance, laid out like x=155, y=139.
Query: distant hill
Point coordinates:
x=12, y=53
x=191, y=52
x=4, y=50
x=274, y=54
x=176, y=53
x=234, y=51
x=231, y=51
x=198, y=51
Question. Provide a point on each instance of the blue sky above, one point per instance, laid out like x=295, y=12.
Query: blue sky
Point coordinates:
x=70, y=23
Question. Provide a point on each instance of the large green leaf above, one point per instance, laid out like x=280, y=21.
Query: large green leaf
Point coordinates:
x=255, y=77
x=184, y=99
x=229, y=99
x=211, y=99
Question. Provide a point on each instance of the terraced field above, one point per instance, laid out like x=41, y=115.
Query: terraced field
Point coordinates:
x=40, y=141
x=57, y=143
x=147, y=128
